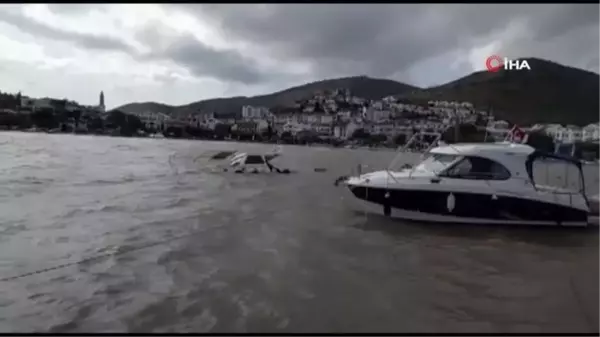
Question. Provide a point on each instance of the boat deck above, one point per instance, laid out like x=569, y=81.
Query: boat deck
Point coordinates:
x=594, y=220
x=594, y=216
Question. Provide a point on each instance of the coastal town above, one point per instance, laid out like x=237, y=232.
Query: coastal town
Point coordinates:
x=334, y=117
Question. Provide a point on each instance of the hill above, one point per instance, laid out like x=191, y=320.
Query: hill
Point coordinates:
x=133, y=108
x=549, y=93
x=361, y=86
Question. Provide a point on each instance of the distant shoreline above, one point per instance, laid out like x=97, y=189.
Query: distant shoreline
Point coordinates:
x=324, y=145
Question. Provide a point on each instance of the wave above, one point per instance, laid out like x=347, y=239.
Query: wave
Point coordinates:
x=29, y=180
x=88, y=210
x=121, y=180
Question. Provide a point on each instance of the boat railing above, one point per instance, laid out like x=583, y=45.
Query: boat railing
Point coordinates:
x=404, y=148
x=415, y=137
x=434, y=143
x=558, y=191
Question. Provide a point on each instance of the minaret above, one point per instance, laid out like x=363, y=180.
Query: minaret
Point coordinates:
x=102, y=101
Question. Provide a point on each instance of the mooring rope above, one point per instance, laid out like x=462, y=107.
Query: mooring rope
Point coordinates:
x=97, y=257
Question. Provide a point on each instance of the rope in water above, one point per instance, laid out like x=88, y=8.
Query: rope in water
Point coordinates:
x=96, y=257
x=121, y=252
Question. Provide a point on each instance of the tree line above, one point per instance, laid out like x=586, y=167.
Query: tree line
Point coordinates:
x=70, y=121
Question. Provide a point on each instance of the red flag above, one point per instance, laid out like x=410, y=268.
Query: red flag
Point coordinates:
x=516, y=135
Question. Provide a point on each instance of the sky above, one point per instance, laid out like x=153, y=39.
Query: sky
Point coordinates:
x=181, y=53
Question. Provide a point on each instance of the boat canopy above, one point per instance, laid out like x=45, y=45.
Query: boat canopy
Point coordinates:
x=540, y=155
x=545, y=155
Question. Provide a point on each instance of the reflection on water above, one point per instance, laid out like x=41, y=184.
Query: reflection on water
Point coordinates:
x=259, y=253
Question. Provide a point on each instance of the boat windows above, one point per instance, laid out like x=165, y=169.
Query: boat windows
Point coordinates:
x=222, y=155
x=254, y=159
x=477, y=168
x=436, y=162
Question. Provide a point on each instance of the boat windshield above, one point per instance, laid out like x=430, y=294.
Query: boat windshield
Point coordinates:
x=436, y=162
x=254, y=159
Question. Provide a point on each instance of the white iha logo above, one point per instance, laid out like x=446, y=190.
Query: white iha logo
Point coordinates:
x=494, y=63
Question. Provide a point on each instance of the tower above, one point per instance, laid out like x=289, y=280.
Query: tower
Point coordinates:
x=102, y=100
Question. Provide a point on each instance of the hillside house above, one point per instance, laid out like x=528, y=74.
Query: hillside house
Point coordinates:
x=375, y=115
x=245, y=128
x=591, y=132
x=252, y=112
x=383, y=128
x=344, y=130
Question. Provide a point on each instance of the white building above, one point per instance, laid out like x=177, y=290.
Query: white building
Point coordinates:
x=344, y=115
x=294, y=127
x=556, y=131
x=323, y=129
x=287, y=118
x=210, y=123
x=357, y=100
x=33, y=104
x=253, y=112
x=153, y=120
x=575, y=133
x=326, y=119
x=251, y=127
x=572, y=133
x=383, y=128
x=199, y=119
x=377, y=105
x=316, y=118
x=376, y=115
x=591, y=132
x=345, y=130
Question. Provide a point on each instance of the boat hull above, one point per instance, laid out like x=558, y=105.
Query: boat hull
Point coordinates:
x=468, y=208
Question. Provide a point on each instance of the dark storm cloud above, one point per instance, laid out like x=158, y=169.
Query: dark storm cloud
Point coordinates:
x=565, y=33
x=35, y=28
x=559, y=19
x=376, y=39
x=200, y=59
x=383, y=39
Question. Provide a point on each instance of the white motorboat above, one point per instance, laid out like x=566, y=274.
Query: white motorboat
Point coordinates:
x=473, y=183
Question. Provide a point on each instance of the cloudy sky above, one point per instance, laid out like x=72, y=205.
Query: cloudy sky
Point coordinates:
x=180, y=53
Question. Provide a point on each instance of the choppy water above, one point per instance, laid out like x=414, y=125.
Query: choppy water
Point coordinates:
x=257, y=253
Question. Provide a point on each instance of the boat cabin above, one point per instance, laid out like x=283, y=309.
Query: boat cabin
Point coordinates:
x=478, y=161
x=253, y=163
x=503, y=162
